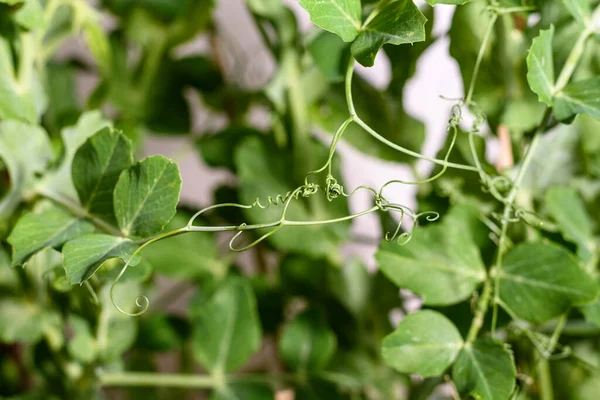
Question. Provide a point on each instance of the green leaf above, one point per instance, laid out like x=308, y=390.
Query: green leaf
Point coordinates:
x=457, y=2
x=342, y=17
x=307, y=343
x=330, y=55
x=441, y=262
x=568, y=210
x=25, y=151
x=73, y=137
x=265, y=171
x=244, y=391
x=82, y=346
x=591, y=312
x=540, y=66
x=96, y=168
x=27, y=322
x=397, y=23
x=425, y=343
x=187, y=256
x=352, y=285
x=49, y=228
x=539, y=281
x=485, y=370
x=146, y=196
x=226, y=331
x=31, y=16
x=578, y=97
x=121, y=330
x=579, y=9
x=84, y=255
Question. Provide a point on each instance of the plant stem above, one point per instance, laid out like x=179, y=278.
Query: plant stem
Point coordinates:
x=545, y=380
x=156, y=379
x=484, y=43
x=482, y=307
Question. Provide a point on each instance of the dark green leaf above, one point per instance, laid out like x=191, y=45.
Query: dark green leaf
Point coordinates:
x=226, y=331
x=244, y=391
x=578, y=97
x=398, y=22
x=425, y=343
x=342, y=17
x=486, y=370
x=49, y=228
x=441, y=262
x=540, y=281
x=96, y=168
x=146, y=196
x=84, y=255
x=307, y=343
x=330, y=55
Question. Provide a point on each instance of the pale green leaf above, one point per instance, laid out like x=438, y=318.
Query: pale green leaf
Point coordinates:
x=82, y=346
x=25, y=321
x=539, y=281
x=568, y=210
x=425, y=343
x=84, y=255
x=226, y=331
x=398, y=22
x=457, y=2
x=189, y=256
x=441, y=262
x=342, y=17
x=578, y=97
x=25, y=151
x=59, y=180
x=591, y=312
x=540, y=66
x=49, y=228
x=579, y=9
x=146, y=196
x=307, y=343
x=31, y=16
x=485, y=370
x=96, y=168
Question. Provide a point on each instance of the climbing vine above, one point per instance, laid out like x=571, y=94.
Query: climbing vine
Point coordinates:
x=503, y=260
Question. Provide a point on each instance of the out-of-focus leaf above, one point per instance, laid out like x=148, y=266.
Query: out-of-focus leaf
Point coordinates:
x=578, y=97
x=540, y=66
x=24, y=321
x=330, y=55
x=342, y=17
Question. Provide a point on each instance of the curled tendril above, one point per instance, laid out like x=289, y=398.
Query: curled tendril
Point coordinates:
x=333, y=189
x=141, y=302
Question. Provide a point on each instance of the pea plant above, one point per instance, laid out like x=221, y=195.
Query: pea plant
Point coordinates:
x=504, y=258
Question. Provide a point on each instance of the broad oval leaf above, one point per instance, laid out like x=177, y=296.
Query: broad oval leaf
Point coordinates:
x=83, y=256
x=226, y=330
x=568, y=210
x=396, y=23
x=539, y=281
x=540, y=66
x=578, y=97
x=425, y=343
x=25, y=151
x=441, y=263
x=49, y=228
x=96, y=168
x=486, y=370
x=342, y=17
x=307, y=343
x=146, y=196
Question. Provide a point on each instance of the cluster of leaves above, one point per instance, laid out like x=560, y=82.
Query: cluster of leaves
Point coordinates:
x=76, y=209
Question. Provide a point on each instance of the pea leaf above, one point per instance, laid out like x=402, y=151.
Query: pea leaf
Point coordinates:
x=539, y=281
x=96, y=168
x=226, y=331
x=83, y=256
x=441, y=263
x=485, y=370
x=82, y=346
x=25, y=151
x=540, y=66
x=49, y=228
x=579, y=9
x=342, y=17
x=568, y=210
x=425, y=343
x=27, y=322
x=146, y=196
x=591, y=312
x=31, y=15
x=578, y=97
x=246, y=391
x=307, y=343
x=188, y=256
x=457, y=2
x=397, y=23
x=264, y=171
x=73, y=138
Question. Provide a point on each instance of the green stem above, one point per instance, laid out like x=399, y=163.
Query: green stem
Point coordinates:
x=545, y=380
x=156, y=379
x=573, y=59
x=484, y=43
x=482, y=307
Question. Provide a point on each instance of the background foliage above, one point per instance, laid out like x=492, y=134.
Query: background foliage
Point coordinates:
x=504, y=258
